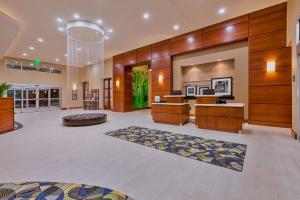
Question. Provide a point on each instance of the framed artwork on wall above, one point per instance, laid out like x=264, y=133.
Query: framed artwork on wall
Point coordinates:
x=201, y=89
x=222, y=86
x=190, y=91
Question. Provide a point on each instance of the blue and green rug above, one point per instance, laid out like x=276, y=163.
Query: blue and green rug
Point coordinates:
x=57, y=191
x=225, y=154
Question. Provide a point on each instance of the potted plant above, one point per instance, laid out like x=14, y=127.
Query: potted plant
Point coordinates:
x=3, y=89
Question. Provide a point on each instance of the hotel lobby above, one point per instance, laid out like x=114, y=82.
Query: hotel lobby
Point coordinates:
x=177, y=100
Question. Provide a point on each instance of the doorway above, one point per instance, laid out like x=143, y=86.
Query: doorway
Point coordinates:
x=107, y=91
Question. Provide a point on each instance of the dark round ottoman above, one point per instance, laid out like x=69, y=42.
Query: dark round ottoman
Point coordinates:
x=87, y=119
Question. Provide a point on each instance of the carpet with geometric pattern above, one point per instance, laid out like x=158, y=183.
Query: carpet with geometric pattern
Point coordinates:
x=57, y=191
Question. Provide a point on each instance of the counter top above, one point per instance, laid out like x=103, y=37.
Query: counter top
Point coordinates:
x=174, y=96
x=171, y=104
x=223, y=105
x=207, y=95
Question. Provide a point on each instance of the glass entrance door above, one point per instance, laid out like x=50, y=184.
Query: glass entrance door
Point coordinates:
x=35, y=98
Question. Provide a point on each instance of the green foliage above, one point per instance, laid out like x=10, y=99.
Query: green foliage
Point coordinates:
x=3, y=88
x=139, y=89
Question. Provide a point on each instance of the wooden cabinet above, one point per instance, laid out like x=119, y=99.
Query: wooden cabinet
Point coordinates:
x=6, y=114
x=220, y=117
x=206, y=99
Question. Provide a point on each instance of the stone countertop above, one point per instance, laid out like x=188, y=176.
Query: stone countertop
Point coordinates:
x=223, y=105
x=171, y=104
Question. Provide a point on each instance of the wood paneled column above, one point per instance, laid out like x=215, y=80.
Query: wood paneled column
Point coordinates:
x=270, y=93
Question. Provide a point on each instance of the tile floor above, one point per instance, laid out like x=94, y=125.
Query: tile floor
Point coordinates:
x=44, y=150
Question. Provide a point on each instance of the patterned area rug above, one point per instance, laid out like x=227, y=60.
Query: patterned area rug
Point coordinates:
x=224, y=154
x=56, y=191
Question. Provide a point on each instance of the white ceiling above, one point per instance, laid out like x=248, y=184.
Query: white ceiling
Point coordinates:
x=37, y=18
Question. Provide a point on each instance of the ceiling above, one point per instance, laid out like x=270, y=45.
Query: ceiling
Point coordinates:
x=28, y=20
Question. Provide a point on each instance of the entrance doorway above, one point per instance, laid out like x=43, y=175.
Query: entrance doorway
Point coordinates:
x=107, y=91
x=33, y=98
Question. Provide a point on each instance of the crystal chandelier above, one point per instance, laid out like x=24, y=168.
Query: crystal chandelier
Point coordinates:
x=85, y=57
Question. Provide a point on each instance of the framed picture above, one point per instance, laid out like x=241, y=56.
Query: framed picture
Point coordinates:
x=190, y=91
x=74, y=95
x=222, y=86
x=201, y=89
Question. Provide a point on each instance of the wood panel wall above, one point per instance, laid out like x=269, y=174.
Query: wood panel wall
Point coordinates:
x=266, y=32
x=270, y=93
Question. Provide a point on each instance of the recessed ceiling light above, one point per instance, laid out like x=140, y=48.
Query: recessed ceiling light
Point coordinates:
x=61, y=29
x=146, y=15
x=176, y=27
x=25, y=54
x=60, y=20
x=222, y=11
x=31, y=48
x=106, y=37
x=76, y=16
x=56, y=59
x=66, y=55
x=40, y=39
x=110, y=30
x=99, y=21
x=191, y=39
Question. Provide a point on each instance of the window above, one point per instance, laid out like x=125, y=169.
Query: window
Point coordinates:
x=30, y=66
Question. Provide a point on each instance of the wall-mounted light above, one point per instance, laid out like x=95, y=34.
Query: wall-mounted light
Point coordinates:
x=117, y=83
x=160, y=79
x=271, y=65
x=74, y=86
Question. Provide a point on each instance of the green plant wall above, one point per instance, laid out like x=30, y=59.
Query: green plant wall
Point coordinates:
x=139, y=88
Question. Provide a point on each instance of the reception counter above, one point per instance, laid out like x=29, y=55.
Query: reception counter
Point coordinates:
x=220, y=117
x=6, y=114
x=170, y=113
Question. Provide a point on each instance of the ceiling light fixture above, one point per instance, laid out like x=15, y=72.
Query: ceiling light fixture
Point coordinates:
x=176, y=27
x=31, y=48
x=76, y=16
x=59, y=20
x=66, y=55
x=40, y=40
x=110, y=30
x=25, y=54
x=222, y=11
x=106, y=37
x=61, y=29
x=191, y=39
x=99, y=21
x=146, y=16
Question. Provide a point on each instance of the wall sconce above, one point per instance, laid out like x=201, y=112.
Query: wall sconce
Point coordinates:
x=271, y=65
x=74, y=86
x=160, y=79
x=117, y=83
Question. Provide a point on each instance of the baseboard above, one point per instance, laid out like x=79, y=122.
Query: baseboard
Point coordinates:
x=273, y=124
x=294, y=134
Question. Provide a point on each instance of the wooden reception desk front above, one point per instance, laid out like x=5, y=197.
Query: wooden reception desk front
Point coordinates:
x=175, y=111
x=220, y=117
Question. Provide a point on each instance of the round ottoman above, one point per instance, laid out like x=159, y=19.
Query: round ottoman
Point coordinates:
x=87, y=119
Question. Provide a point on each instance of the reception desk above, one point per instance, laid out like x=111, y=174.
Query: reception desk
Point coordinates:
x=170, y=113
x=6, y=114
x=220, y=117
